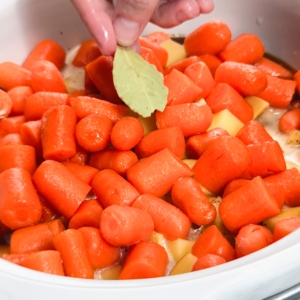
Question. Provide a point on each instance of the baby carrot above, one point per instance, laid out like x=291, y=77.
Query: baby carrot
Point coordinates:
x=234, y=185
x=158, y=36
x=12, y=139
x=81, y=156
x=167, y=218
x=48, y=212
x=11, y=125
x=125, y=225
x=148, y=55
x=117, y=160
x=297, y=80
x=284, y=227
x=145, y=260
x=209, y=38
x=188, y=196
x=87, y=52
x=19, y=96
x=182, y=64
x=6, y=104
x=290, y=120
x=14, y=258
x=212, y=62
x=87, y=215
x=157, y=173
x=111, y=188
x=31, y=134
x=70, y=243
x=58, y=133
x=126, y=133
x=252, y=238
x=60, y=187
x=207, y=261
x=20, y=205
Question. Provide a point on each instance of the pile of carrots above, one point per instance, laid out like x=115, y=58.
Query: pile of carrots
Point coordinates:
x=84, y=185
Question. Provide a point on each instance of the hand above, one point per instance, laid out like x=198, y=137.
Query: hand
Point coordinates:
x=113, y=22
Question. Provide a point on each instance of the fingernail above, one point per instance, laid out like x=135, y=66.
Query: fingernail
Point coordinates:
x=126, y=31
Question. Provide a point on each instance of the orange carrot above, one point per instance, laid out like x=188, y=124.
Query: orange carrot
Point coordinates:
x=297, y=80
x=290, y=120
x=223, y=96
x=242, y=207
x=20, y=205
x=209, y=38
x=18, y=96
x=47, y=49
x=6, y=104
x=60, y=187
x=18, y=156
x=211, y=241
x=145, y=260
x=212, y=61
x=226, y=158
x=247, y=48
x=125, y=225
x=58, y=133
x=197, y=144
x=160, y=139
x=148, y=55
x=278, y=92
x=187, y=195
x=101, y=254
x=31, y=134
x=182, y=64
x=12, y=139
x=70, y=243
x=126, y=133
x=11, y=125
x=81, y=156
x=35, y=238
x=168, y=219
x=82, y=92
x=13, y=75
x=157, y=173
x=252, y=238
x=87, y=52
x=284, y=227
x=93, y=132
x=14, y=258
x=208, y=261
x=116, y=160
x=158, y=37
x=48, y=212
x=200, y=74
x=87, y=215
x=181, y=89
x=234, y=185
x=111, y=188
x=48, y=261
x=191, y=118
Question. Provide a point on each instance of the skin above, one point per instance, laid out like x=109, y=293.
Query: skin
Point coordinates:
x=113, y=22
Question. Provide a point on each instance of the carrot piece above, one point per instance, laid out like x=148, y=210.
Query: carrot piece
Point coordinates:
x=48, y=212
x=211, y=241
x=252, y=238
x=247, y=48
x=70, y=243
x=125, y=225
x=234, y=185
x=278, y=92
x=6, y=104
x=242, y=207
x=226, y=158
x=35, y=238
x=212, y=61
x=116, y=160
x=14, y=258
x=12, y=139
x=289, y=180
x=290, y=120
x=100, y=72
x=31, y=134
x=87, y=52
x=157, y=173
x=160, y=139
x=182, y=64
x=87, y=215
x=58, y=133
x=181, y=89
x=223, y=96
x=84, y=105
x=272, y=68
x=101, y=254
x=126, y=133
x=111, y=188
x=284, y=227
x=158, y=37
x=191, y=118
x=145, y=260
x=19, y=96
x=253, y=133
x=200, y=74
x=48, y=261
x=13, y=75
x=297, y=80
x=47, y=49
x=197, y=144
x=60, y=187
x=46, y=77
x=82, y=92
x=81, y=156
x=37, y=104
x=188, y=196
x=167, y=218
x=20, y=205
x=209, y=38
x=208, y=261
x=11, y=125
x=18, y=156
x=89, y=84
x=148, y=55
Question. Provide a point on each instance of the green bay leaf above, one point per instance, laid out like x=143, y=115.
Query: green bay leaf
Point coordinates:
x=138, y=83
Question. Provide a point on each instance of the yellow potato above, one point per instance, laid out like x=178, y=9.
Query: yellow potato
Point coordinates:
x=184, y=265
x=179, y=248
x=176, y=52
x=259, y=105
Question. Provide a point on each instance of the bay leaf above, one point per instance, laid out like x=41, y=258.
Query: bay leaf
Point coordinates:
x=138, y=83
